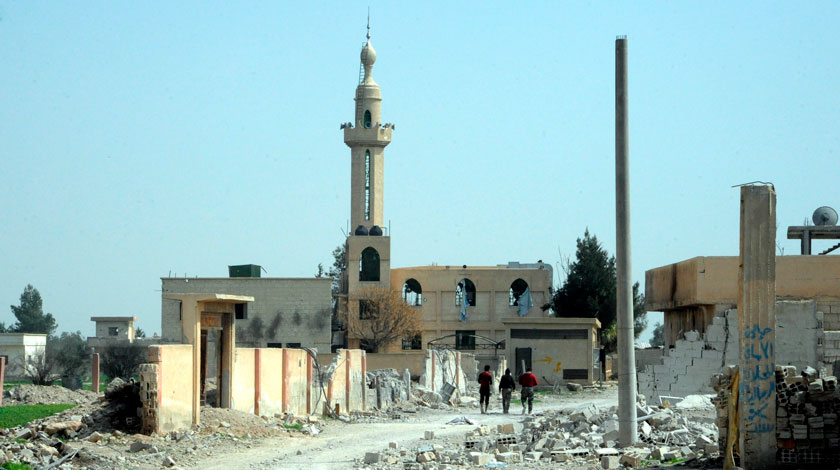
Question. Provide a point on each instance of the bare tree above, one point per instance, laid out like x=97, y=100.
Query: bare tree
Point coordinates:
x=122, y=359
x=383, y=318
x=41, y=367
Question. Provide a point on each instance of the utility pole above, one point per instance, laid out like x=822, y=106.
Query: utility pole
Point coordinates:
x=627, y=426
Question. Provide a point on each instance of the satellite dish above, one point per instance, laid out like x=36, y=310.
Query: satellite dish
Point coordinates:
x=825, y=216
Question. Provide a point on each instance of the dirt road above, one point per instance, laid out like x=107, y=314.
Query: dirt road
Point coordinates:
x=339, y=443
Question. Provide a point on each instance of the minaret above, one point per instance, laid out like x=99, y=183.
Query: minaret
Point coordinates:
x=367, y=137
x=368, y=248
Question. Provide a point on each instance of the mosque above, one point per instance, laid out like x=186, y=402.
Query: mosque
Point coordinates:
x=489, y=311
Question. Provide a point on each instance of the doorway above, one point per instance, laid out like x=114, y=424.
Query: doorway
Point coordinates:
x=212, y=352
x=522, y=354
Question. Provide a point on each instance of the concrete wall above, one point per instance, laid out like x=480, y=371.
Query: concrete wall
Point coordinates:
x=345, y=380
x=291, y=310
x=443, y=366
x=267, y=381
x=689, y=366
x=411, y=360
x=166, y=390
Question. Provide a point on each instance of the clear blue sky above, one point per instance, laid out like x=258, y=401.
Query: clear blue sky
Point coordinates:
x=139, y=139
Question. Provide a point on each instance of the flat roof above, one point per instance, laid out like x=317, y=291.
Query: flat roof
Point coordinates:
x=201, y=297
x=245, y=278
x=114, y=319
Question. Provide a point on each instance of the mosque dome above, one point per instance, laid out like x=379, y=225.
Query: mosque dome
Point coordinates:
x=368, y=55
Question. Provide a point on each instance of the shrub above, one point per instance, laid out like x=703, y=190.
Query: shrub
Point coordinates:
x=122, y=359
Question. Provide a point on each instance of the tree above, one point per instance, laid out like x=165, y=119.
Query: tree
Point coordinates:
x=139, y=333
x=658, y=338
x=30, y=314
x=386, y=318
x=122, y=359
x=590, y=291
x=338, y=267
x=71, y=354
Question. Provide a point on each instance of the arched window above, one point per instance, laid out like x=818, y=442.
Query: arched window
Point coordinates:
x=516, y=290
x=369, y=265
x=413, y=292
x=367, y=119
x=367, y=184
x=465, y=286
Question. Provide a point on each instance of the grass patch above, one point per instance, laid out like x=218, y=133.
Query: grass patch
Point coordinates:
x=296, y=426
x=16, y=466
x=11, y=416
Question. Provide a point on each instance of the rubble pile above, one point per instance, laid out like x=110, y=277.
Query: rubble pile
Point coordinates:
x=45, y=395
x=807, y=430
x=586, y=436
x=390, y=387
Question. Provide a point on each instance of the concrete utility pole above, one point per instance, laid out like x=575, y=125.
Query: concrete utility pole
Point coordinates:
x=757, y=327
x=627, y=427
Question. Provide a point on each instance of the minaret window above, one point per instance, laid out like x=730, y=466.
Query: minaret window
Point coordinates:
x=367, y=119
x=465, y=291
x=367, y=184
x=413, y=293
x=369, y=265
x=517, y=288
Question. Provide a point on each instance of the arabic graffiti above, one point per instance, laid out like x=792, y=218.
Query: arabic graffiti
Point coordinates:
x=758, y=384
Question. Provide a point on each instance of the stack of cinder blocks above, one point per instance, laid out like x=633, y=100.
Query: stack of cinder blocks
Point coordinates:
x=806, y=417
x=149, y=397
x=721, y=383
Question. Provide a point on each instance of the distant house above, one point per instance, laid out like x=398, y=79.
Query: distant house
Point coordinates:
x=18, y=348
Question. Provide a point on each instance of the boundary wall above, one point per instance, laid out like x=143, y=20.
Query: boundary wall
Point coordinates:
x=166, y=391
x=345, y=381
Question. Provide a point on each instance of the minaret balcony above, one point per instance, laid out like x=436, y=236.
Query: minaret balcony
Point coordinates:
x=373, y=137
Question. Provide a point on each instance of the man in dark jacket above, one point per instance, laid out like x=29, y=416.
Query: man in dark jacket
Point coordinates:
x=506, y=388
x=484, y=380
x=528, y=381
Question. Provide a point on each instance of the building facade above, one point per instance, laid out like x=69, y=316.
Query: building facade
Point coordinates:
x=286, y=312
x=18, y=349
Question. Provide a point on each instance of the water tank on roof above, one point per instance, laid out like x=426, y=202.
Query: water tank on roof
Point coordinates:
x=376, y=231
x=244, y=270
x=360, y=230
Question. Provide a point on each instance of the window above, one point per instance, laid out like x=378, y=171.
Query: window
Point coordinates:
x=516, y=290
x=366, y=345
x=369, y=265
x=113, y=331
x=465, y=287
x=413, y=292
x=413, y=343
x=465, y=339
x=274, y=345
x=367, y=119
x=365, y=310
x=367, y=184
x=293, y=345
x=241, y=311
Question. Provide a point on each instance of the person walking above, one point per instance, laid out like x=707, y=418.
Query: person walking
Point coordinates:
x=484, y=381
x=528, y=381
x=506, y=388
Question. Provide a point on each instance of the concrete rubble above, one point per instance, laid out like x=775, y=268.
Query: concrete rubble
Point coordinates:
x=807, y=403
x=585, y=436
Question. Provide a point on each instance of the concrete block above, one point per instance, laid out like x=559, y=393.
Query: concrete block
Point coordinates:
x=692, y=336
x=631, y=460
x=429, y=435
x=372, y=457
x=480, y=458
x=424, y=457
x=533, y=456
x=505, y=428
x=509, y=457
x=610, y=461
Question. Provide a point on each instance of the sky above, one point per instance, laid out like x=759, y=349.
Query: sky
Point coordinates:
x=143, y=139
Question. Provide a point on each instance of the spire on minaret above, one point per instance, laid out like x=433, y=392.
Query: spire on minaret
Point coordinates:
x=368, y=25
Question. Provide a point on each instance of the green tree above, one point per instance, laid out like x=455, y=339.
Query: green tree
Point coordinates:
x=658, y=338
x=139, y=333
x=70, y=353
x=590, y=291
x=30, y=314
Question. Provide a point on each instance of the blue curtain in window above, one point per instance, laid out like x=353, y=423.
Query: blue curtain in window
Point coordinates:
x=464, y=301
x=524, y=303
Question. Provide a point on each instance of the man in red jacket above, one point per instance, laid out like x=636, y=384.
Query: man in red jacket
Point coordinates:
x=484, y=380
x=528, y=381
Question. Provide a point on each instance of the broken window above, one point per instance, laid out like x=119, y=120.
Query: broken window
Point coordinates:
x=367, y=184
x=241, y=311
x=516, y=290
x=412, y=292
x=369, y=265
x=367, y=119
x=465, y=339
x=413, y=343
x=465, y=287
x=366, y=310
x=113, y=331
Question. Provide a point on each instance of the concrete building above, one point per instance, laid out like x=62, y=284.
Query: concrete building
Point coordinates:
x=699, y=296
x=478, y=309
x=18, y=348
x=286, y=312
